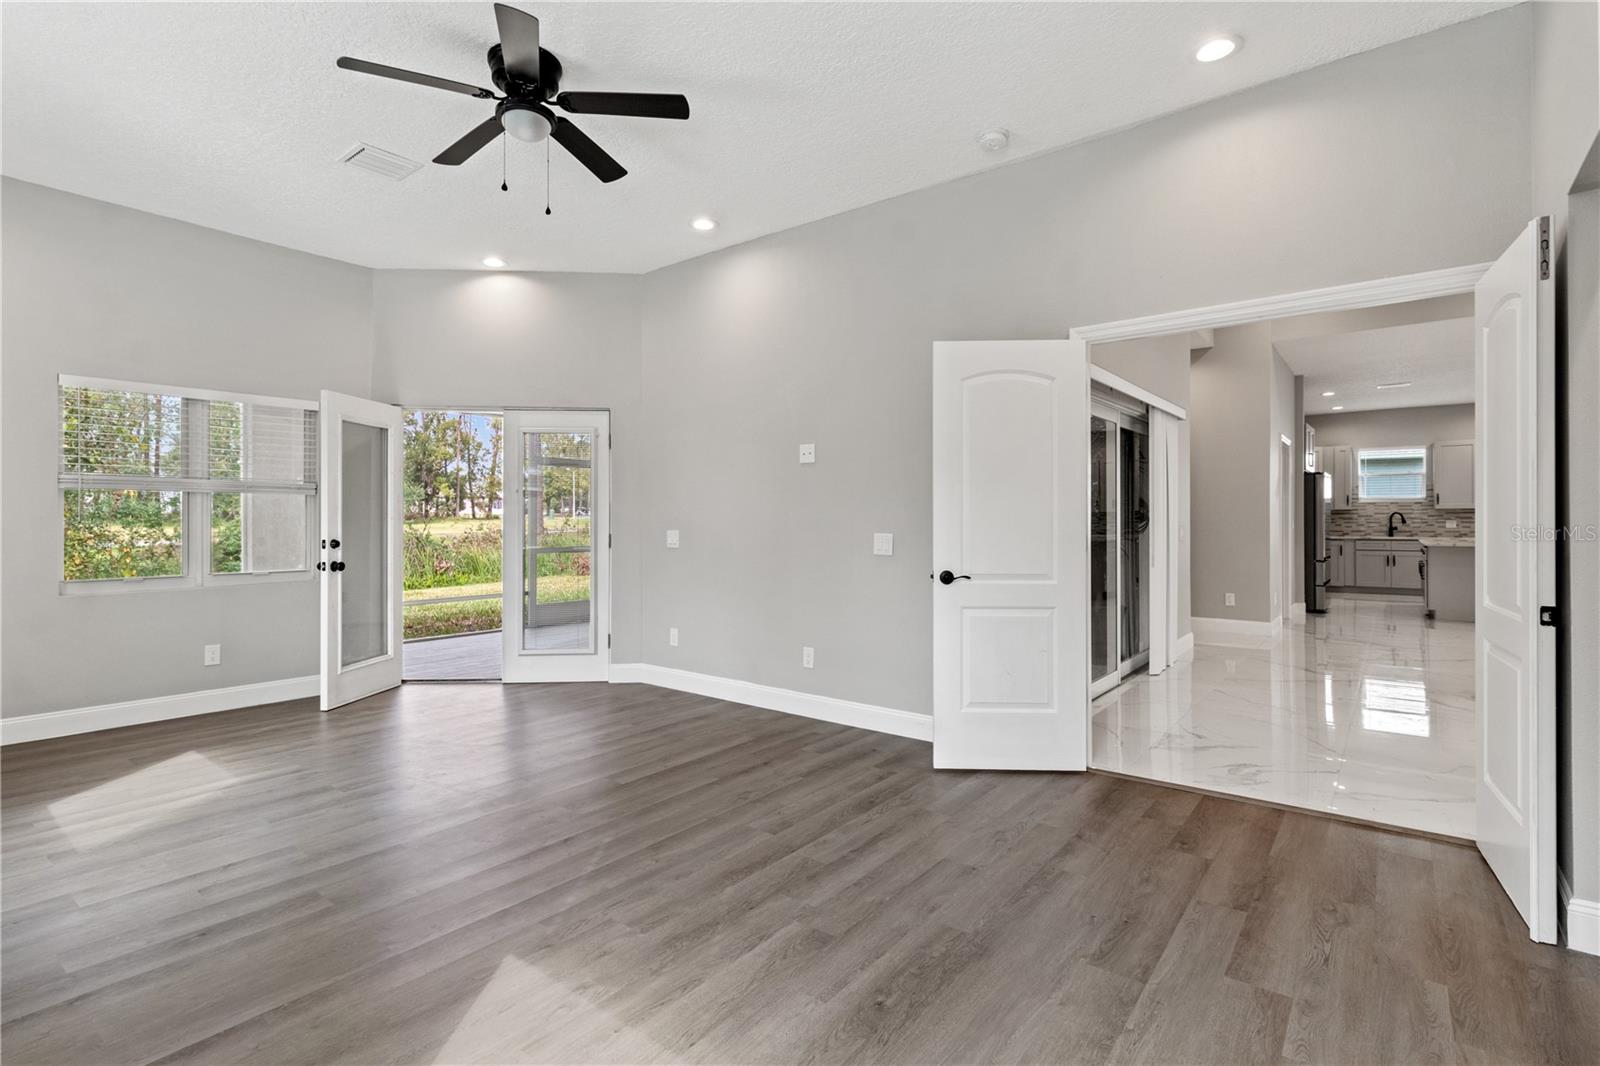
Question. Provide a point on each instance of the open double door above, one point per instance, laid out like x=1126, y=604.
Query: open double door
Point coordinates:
x=1011, y=554
x=555, y=624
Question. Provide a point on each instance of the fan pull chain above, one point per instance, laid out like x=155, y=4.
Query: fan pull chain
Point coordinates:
x=503, y=186
x=547, y=175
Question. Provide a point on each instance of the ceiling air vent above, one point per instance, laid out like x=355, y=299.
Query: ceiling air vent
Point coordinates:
x=394, y=167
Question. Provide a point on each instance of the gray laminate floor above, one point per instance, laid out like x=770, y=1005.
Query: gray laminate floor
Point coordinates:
x=592, y=873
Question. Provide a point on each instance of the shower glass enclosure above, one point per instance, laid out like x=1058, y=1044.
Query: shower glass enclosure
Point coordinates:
x=1119, y=540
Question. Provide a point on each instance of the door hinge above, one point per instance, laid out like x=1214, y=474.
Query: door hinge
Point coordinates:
x=1544, y=249
x=1547, y=616
x=608, y=640
x=608, y=540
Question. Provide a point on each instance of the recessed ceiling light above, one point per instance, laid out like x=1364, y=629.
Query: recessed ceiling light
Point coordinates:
x=1396, y=385
x=704, y=224
x=1327, y=394
x=494, y=262
x=1338, y=407
x=1217, y=48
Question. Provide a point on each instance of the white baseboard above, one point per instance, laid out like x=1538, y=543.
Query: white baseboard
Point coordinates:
x=1184, y=646
x=1582, y=920
x=23, y=728
x=1221, y=630
x=789, y=701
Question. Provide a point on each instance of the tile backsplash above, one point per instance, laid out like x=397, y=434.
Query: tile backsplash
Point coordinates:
x=1371, y=519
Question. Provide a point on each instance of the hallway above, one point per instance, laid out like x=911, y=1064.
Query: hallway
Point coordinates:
x=1367, y=711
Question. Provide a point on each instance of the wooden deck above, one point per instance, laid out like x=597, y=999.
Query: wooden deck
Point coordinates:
x=477, y=656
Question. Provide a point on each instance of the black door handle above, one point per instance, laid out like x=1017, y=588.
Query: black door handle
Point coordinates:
x=336, y=566
x=334, y=543
x=948, y=578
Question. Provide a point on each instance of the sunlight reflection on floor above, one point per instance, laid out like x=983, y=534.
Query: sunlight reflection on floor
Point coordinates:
x=125, y=805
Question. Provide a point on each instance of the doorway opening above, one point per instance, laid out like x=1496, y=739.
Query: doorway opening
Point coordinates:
x=453, y=544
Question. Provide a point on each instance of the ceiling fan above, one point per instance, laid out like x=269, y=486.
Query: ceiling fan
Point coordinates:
x=530, y=78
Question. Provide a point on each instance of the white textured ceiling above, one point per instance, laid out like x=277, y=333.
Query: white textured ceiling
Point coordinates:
x=1436, y=357
x=233, y=115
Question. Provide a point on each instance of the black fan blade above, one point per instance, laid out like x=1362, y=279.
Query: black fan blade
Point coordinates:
x=586, y=151
x=363, y=67
x=638, y=105
x=519, y=42
x=467, y=147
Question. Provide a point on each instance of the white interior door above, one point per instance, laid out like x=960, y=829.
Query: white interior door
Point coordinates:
x=1010, y=554
x=556, y=621
x=361, y=502
x=1515, y=576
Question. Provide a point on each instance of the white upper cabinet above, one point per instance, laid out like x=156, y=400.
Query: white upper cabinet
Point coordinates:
x=1452, y=474
x=1343, y=458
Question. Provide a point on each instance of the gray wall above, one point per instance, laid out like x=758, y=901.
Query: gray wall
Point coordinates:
x=495, y=340
x=1398, y=160
x=1230, y=418
x=99, y=290
x=1565, y=118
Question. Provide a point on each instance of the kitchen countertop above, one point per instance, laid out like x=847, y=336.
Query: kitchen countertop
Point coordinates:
x=1447, y=542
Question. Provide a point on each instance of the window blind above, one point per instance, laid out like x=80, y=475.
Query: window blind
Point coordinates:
x=154, y=438
x=1393, y=473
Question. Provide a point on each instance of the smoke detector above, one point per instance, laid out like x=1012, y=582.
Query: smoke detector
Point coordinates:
x=995, y=140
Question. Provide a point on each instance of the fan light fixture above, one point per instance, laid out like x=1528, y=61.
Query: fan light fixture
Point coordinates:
x=704, y=224
x=494, y=262
x=1217, y=48
x=524, y=123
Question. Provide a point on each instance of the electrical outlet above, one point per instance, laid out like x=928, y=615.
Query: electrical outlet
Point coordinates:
x=672, y=538
x=883, y=544
x=808, y=657
x=672, y=636
x=213, y=655
x=1450, y=523
x=1229, y=601
x=808, y=453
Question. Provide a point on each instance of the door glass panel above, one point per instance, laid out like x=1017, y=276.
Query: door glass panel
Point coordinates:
x=1102, y=531
x=363, y=543
x=558, y=554
x=1134, y=467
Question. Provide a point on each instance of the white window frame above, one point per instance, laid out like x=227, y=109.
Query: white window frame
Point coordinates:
x=196, y=509
x=1427, y=473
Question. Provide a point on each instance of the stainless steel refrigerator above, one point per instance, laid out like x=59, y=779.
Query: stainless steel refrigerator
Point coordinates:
x=1318, y=504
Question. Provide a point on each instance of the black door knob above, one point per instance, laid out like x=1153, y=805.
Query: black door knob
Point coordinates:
x=334, y=543
x=336, y=566
x=948, y=578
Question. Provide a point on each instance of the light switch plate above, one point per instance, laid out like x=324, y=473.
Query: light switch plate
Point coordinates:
x=808, y=453
x=213, y=655
x=672, y=538
x=883, y=544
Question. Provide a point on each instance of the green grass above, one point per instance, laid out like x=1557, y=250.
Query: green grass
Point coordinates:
x=451, y=619
x=449, y=557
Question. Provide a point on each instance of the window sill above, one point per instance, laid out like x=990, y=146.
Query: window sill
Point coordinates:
x=124, y=586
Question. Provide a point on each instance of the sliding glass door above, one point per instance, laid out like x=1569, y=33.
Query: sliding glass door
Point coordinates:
x=1119, y=544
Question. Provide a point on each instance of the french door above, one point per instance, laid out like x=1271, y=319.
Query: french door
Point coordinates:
x=1515, y=494
x=361, y=503
x=1010, y=536
x=555, y=623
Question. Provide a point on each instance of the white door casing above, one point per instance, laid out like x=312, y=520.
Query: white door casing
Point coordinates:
x=1515, y=499
x=361, y=503
x=563, y=641
x=1010, y=523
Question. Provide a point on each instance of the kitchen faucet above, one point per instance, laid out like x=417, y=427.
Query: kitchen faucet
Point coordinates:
x=1392, y=516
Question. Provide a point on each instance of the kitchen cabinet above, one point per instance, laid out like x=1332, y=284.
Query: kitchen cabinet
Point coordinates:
x=1343, y=468
x=1452, y=474
x=1341, y=563
x=1385, y=565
